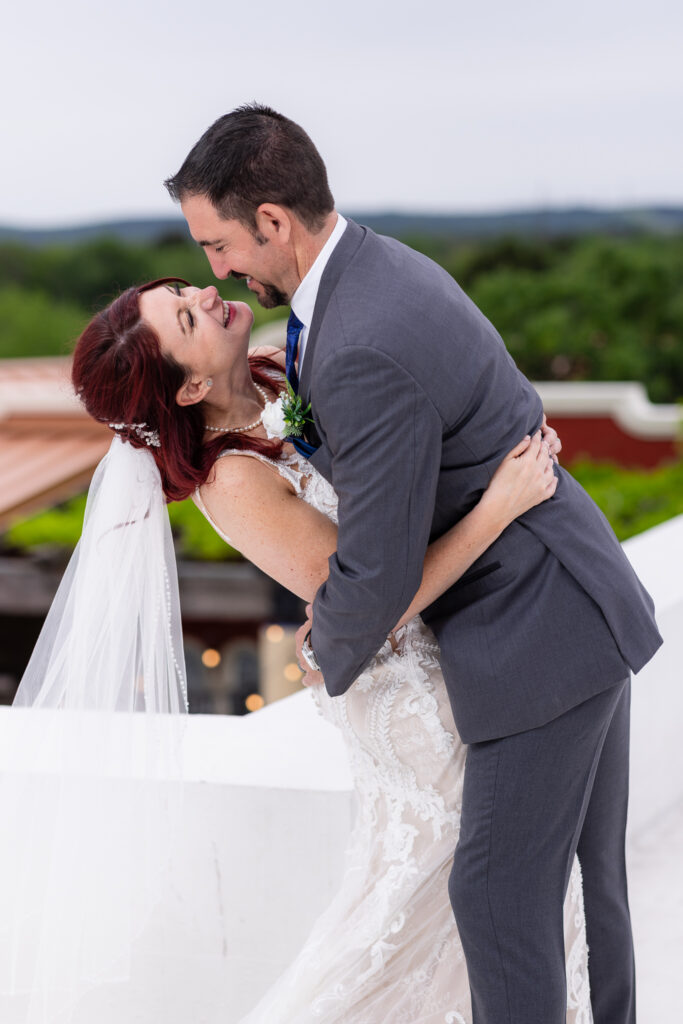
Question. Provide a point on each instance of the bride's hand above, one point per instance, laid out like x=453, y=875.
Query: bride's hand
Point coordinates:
x=552, y=438
x=524, y=478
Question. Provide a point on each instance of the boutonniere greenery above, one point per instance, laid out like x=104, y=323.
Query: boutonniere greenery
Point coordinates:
x=286, y=416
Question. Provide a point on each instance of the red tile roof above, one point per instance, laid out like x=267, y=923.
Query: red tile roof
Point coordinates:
x=49, y=446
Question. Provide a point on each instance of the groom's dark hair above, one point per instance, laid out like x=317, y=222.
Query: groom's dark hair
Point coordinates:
x=254, y=155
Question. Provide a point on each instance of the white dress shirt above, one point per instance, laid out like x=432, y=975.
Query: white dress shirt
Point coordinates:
x=303, y=300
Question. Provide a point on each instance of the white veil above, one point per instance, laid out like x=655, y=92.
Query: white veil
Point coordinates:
x=90, y=790
x=112, y=640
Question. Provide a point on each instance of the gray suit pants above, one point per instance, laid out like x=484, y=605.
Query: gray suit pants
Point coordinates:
x=530, y=802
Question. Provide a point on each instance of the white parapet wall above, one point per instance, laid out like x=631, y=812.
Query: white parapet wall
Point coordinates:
x=626, y=402
x=657, y=709
x=267, y=810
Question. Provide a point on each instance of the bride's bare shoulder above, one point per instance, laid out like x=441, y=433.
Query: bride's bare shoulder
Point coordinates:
x=245, y=477
x=248, y=500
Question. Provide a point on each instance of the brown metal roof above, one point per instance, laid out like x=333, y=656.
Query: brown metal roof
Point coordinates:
x=49, y=446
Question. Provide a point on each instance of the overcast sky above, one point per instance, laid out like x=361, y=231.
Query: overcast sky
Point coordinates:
x=436, y=105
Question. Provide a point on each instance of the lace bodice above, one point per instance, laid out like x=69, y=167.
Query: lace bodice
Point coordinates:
x=387, y=949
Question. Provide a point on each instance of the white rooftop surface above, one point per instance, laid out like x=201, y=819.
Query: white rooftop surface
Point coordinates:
x=655, y=844
x=655, y=861
x=287, y=745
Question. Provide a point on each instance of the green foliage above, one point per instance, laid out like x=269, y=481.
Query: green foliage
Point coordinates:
x=633, y=500
x=89, y=274
x=59, y=529
x=54, y=528
x=86, y=277
x=295, y=415
x=586, y=309
x=472, y=260
x=194, y=537
x=33, y=324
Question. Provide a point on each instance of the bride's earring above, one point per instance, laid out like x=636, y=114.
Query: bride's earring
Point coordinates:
x=209, y=382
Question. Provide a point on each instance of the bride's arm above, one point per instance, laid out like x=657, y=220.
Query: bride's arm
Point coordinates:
x=292, y=542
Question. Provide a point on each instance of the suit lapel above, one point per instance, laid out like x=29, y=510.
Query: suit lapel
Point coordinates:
x=337, y=263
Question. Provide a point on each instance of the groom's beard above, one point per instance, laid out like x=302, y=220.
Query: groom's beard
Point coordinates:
x=271, y=297
x=267, y=295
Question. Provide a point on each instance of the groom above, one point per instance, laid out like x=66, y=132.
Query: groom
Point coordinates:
x=415, y=402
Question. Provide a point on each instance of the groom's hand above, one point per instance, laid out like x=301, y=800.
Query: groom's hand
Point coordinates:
x=310, y=677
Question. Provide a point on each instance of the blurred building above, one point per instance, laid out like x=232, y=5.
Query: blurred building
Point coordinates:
x=612, y=422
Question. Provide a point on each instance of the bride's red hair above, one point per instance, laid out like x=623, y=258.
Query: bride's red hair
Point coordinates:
x=122, y=376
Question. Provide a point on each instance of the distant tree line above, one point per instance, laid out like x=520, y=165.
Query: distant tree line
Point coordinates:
x=574, y=309
x=588, y=308
x=48, y=294
x=582, y=309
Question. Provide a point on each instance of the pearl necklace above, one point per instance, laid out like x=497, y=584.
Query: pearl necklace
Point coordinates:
x=250, y=426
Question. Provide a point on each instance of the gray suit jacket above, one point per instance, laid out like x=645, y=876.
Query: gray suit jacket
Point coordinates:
x=416, y=401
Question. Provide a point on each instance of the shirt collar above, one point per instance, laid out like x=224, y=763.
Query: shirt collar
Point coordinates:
x=303, y=300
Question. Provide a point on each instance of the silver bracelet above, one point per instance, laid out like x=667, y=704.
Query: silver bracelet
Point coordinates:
x=308, y=654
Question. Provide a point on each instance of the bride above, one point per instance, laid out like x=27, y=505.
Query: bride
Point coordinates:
x=168, y=367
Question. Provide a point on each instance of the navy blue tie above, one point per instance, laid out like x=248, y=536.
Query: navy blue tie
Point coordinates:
x=294, y=329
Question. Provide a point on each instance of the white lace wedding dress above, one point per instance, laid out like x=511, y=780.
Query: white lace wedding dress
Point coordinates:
x=387, y=950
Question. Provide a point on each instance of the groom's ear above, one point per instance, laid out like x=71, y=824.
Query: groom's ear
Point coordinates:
x=191, y=392
x=274, y=223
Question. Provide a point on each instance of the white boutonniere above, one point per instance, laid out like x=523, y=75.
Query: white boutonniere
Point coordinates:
x=286, y=416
